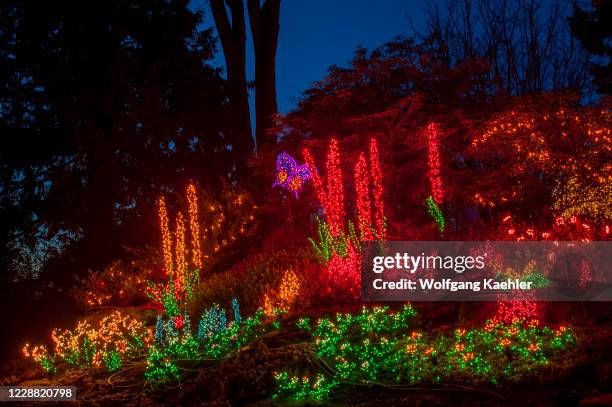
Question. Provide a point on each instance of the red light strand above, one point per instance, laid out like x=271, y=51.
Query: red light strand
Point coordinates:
x=379, y=207
x=332, y=199
x=335, y=191
x=433, y=160
x=362, y=188
x=316, y=179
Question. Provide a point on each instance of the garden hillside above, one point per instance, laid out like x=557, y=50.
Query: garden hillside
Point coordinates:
x=161, y=259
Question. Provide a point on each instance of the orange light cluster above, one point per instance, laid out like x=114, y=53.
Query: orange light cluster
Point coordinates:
x=95, y=299
x=37, y=353
x=564, y=228
x=117, y=332
x=591, y=198
x=179, y=237
x=113, y=285
x=468, y=356
x=492, y=324
x=285, y=297
x=551, y=143
x=505, y=342
x=194, y=226
x=533, y=347
x=166, y=236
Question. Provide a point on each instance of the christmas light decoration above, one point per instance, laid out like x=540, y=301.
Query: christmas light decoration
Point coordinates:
x=570, y=228
x=117, y=284
x=165, y=296
x=159, y=331
x=269, y=305
x=588, y=197
x=162, y=363
x=535, y=147
x=116, y=337
x=284, y=298
x=289, y=174
x=180, y=264
x=338, y=249
x=236, y=309
x=40, y=355
x=513, y=311
x=181, y=279
x=331, y=197
x=433, y=162
x=362, y=188
x=186, y=325
x=303, y=388
x=166, y=237
x=381, y=347
x=222, y=320
x=328, y=244
x=194, y=227
x=202, y=327
x=171, y=332
x=377, y=191
x=316, y=179
x=344, y=272
x=334, y=209
x=179, y=322
x=213, y=320
x=434, y=211
x=289, y=289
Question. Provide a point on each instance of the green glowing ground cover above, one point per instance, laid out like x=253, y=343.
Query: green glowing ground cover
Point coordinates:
x=378, y=346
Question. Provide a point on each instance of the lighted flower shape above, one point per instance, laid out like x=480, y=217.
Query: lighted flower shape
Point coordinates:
x=533, y=347
x=289, y=174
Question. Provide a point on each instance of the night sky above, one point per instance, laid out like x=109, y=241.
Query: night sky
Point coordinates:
x=315, y=34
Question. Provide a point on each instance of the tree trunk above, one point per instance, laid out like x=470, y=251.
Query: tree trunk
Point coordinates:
x=264, y=20
x=233, y=41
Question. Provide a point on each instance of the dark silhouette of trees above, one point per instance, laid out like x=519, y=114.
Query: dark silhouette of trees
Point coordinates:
x=264, y=19
x=528, y=43
x=103, y=105
x=594, y=30
x=232, y=35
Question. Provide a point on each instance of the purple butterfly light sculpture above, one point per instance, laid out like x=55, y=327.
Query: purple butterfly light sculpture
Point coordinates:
x=289, y=174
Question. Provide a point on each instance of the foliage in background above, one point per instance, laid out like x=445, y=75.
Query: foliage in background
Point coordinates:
x=258, y=275
x=554, y=157
x=228, y=219
x=120, y=283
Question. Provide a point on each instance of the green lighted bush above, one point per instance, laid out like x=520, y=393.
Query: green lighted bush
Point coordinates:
x=163, y=360
x=380, y=346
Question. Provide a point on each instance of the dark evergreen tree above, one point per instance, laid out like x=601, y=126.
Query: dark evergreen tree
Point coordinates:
x=594, y=30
